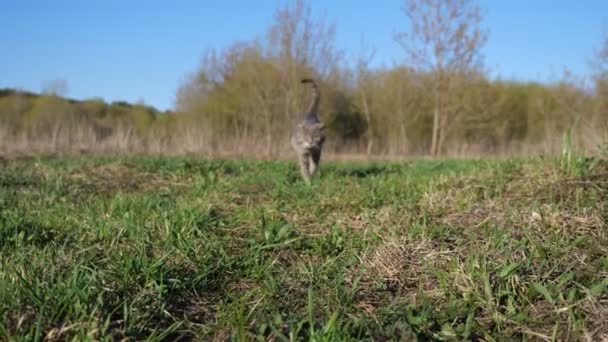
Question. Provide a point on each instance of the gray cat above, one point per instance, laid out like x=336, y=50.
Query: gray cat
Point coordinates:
x=307, y=137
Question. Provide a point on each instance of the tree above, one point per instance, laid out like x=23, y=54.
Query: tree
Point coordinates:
x=297, y=40
x=600, y=77
x=301, y=46
x=600, y=61
x=364, y=85
x=444, y=39
x=250, y=91
x=50, y=117
x=55, y=87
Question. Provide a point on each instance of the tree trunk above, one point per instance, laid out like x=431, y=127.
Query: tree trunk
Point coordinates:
x=436, y=131
x=55, y=137
x=268, y=136
x=403, y=147
x=442, y=133
x=370, y=133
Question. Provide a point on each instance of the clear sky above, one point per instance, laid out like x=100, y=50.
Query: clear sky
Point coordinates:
x=142, y=50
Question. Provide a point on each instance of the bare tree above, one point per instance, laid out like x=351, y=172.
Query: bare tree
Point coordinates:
x=55, y=87
x=297, y=38
x=599, y=64
x=445, y=39
x=249, y=91
x=600, y=60
x=364, y=87
x=301, y=45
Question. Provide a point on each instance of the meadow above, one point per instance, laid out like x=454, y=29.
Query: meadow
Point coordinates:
x=186, y=248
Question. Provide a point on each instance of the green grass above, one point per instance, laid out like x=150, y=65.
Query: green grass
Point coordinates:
x=166, y=248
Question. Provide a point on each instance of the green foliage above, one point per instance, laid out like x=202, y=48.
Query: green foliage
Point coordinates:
x=45, y=119
x=46, y=111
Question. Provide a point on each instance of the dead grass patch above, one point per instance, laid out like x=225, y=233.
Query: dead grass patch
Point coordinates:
x=119, y=177
x=399, y=267
x=541, y=199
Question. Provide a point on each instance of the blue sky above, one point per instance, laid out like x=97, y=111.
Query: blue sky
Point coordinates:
x=142, y=50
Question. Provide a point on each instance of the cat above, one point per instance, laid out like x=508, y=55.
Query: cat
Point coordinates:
x=307, y=137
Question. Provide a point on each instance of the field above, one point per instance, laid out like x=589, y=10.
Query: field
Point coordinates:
x=166, y=248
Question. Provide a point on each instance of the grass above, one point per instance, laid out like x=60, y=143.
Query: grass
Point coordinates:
x=169, y=248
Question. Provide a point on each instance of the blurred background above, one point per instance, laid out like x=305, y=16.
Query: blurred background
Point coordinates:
x=398, y=78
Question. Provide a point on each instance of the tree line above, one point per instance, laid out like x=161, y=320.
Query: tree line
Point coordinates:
x=242, y=99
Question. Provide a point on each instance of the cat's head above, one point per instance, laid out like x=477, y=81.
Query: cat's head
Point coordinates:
x=311, y=135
